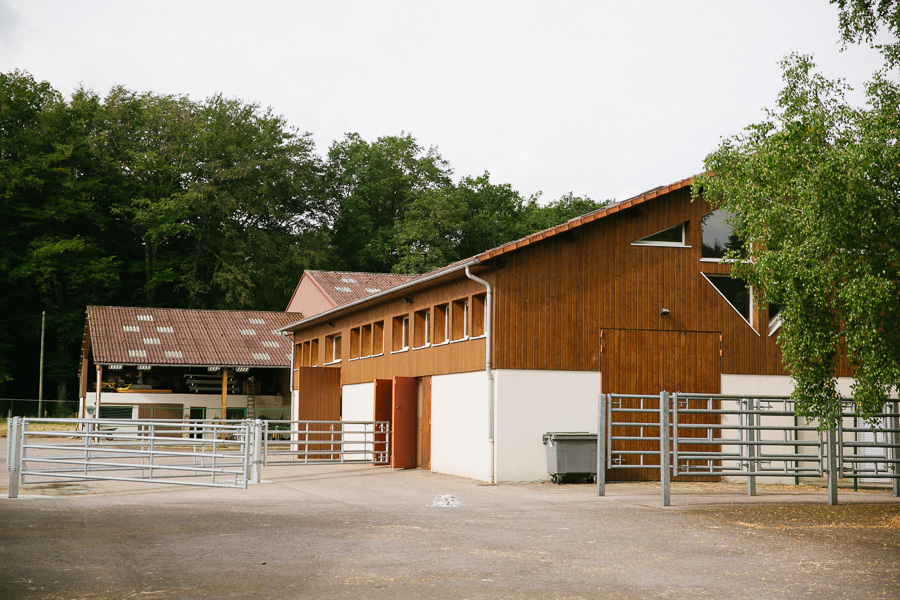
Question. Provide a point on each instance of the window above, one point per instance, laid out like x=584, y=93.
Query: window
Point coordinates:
x=422, y=328
x=673, y=236
x=478, y=315
x=235, y=414
x=735, y=291
x=441, y=324
x=366, y=341
x=333, y=348
x=717, y=235
x=459, y=319
x=774, y=318
x=400, y=334
x=303, y=355
x=314, y=353
x=354, y=343
x=377, y=338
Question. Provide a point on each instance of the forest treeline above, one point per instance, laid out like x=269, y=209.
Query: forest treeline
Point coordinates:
x=141, y=199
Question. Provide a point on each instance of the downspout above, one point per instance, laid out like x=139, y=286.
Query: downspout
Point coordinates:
x=488, y=311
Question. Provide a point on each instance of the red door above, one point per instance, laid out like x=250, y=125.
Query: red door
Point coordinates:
x=404, y=413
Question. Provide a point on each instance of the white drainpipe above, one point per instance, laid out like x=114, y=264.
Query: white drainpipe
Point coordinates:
x=487, y=361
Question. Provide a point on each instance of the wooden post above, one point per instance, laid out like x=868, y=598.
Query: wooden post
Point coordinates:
x=97, y=397
x=224, y=391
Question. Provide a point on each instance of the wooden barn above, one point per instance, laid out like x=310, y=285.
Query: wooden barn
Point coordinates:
x=474, y=362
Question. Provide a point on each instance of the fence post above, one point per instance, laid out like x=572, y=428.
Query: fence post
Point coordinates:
x=895, y=425
x=664, y=477
x=259, y=431
x=751, y=447
x=14, y=458
x=601, y=445
x=832, y=467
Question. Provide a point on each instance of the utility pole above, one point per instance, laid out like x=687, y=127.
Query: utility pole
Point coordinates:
x=41, y=382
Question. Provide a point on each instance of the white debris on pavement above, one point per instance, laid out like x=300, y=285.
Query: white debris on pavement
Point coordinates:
x=445, y=500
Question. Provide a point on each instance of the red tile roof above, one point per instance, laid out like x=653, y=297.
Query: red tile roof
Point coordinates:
x=345, y=287
x=171, y=336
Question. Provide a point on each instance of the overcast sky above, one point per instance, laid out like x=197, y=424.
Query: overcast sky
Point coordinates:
x=603, y=99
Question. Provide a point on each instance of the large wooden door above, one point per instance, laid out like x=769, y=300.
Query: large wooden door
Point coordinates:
x=319, y=393
x=404, y=409
x=423, y=424
x=319, y=399
x=648, y=362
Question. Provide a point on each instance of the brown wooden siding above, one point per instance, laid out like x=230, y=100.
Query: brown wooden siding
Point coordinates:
x=436, y=359
x=554, y=296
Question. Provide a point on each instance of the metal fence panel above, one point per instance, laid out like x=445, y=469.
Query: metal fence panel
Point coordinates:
x=732, y=436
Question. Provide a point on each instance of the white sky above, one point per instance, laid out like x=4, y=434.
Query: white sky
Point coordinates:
x=602, y=98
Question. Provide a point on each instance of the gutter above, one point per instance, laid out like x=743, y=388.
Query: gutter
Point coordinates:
x=488, y=312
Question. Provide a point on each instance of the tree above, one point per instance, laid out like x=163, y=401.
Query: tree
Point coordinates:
x=372, y=185
x=456, y=222
x=53, y=257
x=815, y=191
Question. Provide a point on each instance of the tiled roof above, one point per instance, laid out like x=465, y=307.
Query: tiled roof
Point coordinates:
x=172, y=336
x=343, y=287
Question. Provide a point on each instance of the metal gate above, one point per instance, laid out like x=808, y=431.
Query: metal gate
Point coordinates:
x=200, y=452
x=742, y=437
x=175, y=452
x=305, y=442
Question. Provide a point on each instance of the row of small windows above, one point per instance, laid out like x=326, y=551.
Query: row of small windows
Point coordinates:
x=445, y=323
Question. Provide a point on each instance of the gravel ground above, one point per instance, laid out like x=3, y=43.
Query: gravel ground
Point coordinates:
x=341, y=531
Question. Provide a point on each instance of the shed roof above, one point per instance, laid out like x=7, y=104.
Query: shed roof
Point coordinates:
x=172, y=336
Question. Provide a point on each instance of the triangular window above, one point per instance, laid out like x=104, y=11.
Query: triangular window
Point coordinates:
x=673, y=236
x=774, y=318
x=735, y=291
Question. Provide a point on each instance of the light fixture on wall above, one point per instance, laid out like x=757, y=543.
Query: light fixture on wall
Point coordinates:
x=407, y=299
x=664, y=312
x=330, y=323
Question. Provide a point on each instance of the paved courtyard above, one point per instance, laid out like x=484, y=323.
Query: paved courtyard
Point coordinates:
x=364, y=532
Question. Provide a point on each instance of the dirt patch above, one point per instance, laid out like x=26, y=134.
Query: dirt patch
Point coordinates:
x=40, y=427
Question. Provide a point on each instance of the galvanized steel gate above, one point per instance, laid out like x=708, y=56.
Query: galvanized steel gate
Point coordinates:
x=185, y=452
x=747, y=437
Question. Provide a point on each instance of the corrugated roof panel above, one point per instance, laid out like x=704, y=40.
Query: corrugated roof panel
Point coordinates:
x=186, y=337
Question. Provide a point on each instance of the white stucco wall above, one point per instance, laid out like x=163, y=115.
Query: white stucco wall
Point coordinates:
x=270, y=406
x=357, y=404
x=459, y=425
x=771, y=385
x=532, y=403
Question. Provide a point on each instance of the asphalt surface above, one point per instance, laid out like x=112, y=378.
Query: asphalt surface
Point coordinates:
x=333, y=531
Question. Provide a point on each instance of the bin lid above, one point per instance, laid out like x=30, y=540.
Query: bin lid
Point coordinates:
x=569, y=435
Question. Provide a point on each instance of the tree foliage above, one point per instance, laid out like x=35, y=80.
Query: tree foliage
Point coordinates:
x=160, y=200
x=815, y=190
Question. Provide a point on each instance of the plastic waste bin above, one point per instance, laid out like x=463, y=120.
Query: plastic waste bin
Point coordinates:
x=571, y=453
